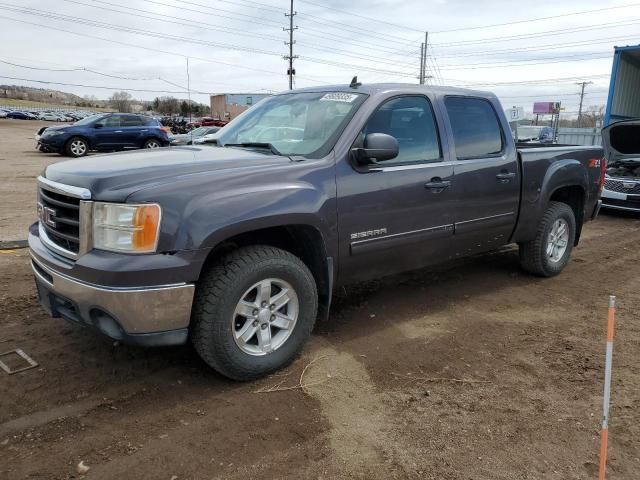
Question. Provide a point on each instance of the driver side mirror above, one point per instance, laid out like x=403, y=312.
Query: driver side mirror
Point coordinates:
x=377, y=147
x=98, y=125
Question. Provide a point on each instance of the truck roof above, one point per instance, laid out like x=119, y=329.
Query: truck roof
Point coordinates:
x=372, y=88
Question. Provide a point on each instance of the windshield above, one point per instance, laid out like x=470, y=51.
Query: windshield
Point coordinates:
x=197, y=132
x=304, y=124
x=529, y=132
x=88, y=120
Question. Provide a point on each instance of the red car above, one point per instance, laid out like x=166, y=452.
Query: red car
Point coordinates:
x=208, y=122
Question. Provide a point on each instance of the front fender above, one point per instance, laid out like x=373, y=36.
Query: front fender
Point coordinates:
x=215, y=217
x=536, y=194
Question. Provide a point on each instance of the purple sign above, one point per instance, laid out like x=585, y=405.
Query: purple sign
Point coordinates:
x=543, y=107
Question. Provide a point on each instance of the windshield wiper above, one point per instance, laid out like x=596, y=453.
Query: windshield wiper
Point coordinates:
x=265, y=145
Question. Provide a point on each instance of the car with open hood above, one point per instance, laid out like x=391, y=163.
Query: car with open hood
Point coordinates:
x=622, y=181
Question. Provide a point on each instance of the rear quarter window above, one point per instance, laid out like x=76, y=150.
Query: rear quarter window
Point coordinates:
x=476, y=128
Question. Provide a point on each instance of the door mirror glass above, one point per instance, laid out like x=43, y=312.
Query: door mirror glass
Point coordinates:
x=377, y=147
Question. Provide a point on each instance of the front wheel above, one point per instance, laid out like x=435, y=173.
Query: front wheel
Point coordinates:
x=253, y=311
x=76, y=147
x=152, y=143
x=549, y=252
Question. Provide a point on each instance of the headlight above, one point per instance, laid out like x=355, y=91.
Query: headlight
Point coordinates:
x=126, y=228
x=51, y=133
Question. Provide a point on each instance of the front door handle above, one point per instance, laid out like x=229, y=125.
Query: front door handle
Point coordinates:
x=437, y=185
x=505, y=177
x=117, y=131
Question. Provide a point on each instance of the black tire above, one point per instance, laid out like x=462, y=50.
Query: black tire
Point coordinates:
x=533, y=255
x=220, y=289
x=152, y=143
x=76, y=147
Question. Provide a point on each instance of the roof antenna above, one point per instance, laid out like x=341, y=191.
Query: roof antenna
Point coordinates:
x=354, y=82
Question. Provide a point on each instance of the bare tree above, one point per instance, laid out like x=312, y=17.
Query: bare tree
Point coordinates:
x=593, y=116
x=121, y=101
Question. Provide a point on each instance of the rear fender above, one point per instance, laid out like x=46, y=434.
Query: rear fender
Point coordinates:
x=566, y=172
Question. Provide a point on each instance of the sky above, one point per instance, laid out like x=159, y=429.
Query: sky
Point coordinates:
x=522, y=51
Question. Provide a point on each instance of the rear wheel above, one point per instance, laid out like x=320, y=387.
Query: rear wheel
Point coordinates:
x=76, y=147
x=549, y=252
x=152, y=143
x=253, y=312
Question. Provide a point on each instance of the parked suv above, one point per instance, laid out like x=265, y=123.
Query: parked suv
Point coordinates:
x=108, y=132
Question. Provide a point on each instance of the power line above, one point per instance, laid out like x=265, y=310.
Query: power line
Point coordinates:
x=48, y=82
x=157, y=50
x=164, y=36
x=564, y=94
x=545, y=46
x=193, y=24
x=543, y=33
x=261, y=20
x=352, y=14
x=538, y=19
x=76, y=68
x=511, y=64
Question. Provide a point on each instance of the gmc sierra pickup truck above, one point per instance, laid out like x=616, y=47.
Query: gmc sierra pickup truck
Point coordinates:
x=236, y=246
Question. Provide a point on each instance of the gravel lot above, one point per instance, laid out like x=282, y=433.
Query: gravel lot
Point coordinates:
x=472, y=370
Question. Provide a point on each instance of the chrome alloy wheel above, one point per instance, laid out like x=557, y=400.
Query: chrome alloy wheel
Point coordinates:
x=265, y=316
x=558, y=240
x=78, y=148
x=152, y=144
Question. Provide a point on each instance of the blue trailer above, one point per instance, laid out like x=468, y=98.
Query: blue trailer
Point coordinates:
x=623, y=102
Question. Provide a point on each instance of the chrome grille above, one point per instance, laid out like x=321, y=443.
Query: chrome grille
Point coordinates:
x=64, y=214
x=60, y=217
x=619, y=186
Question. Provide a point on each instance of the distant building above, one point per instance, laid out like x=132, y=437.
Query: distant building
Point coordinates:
x=226, y=106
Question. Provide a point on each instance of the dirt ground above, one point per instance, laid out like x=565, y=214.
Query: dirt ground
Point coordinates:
x=471, y=370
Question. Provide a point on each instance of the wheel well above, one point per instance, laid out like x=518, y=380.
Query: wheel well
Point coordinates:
x=574, y=196
x=303, y=241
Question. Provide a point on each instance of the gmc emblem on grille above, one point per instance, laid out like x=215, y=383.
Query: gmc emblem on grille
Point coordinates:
x=46, y=215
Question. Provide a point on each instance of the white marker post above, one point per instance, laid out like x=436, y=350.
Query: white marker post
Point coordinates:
x=604, y=433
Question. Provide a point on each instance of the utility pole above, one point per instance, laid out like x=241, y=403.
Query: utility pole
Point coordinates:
x=423, y=59
x=420, y=75
x=582, y=85
x=290, y=72
x=189, y=89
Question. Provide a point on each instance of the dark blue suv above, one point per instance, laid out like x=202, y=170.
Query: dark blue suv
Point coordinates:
x=108, y=132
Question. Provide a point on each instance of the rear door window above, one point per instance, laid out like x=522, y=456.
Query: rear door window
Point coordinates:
x=476, y=128
x=131, y=121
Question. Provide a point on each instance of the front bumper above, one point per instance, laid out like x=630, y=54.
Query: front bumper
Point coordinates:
x=140, y=315
x=620, y=201
x=53, y=143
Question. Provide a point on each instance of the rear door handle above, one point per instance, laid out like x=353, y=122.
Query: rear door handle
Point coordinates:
x=505, y=177
x=117, y=131
x=437, y=185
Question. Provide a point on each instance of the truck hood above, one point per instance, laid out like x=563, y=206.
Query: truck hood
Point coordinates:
x=113, y=177
x=621, y=143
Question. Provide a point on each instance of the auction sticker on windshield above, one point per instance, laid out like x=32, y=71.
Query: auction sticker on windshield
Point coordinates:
x=339, y=97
